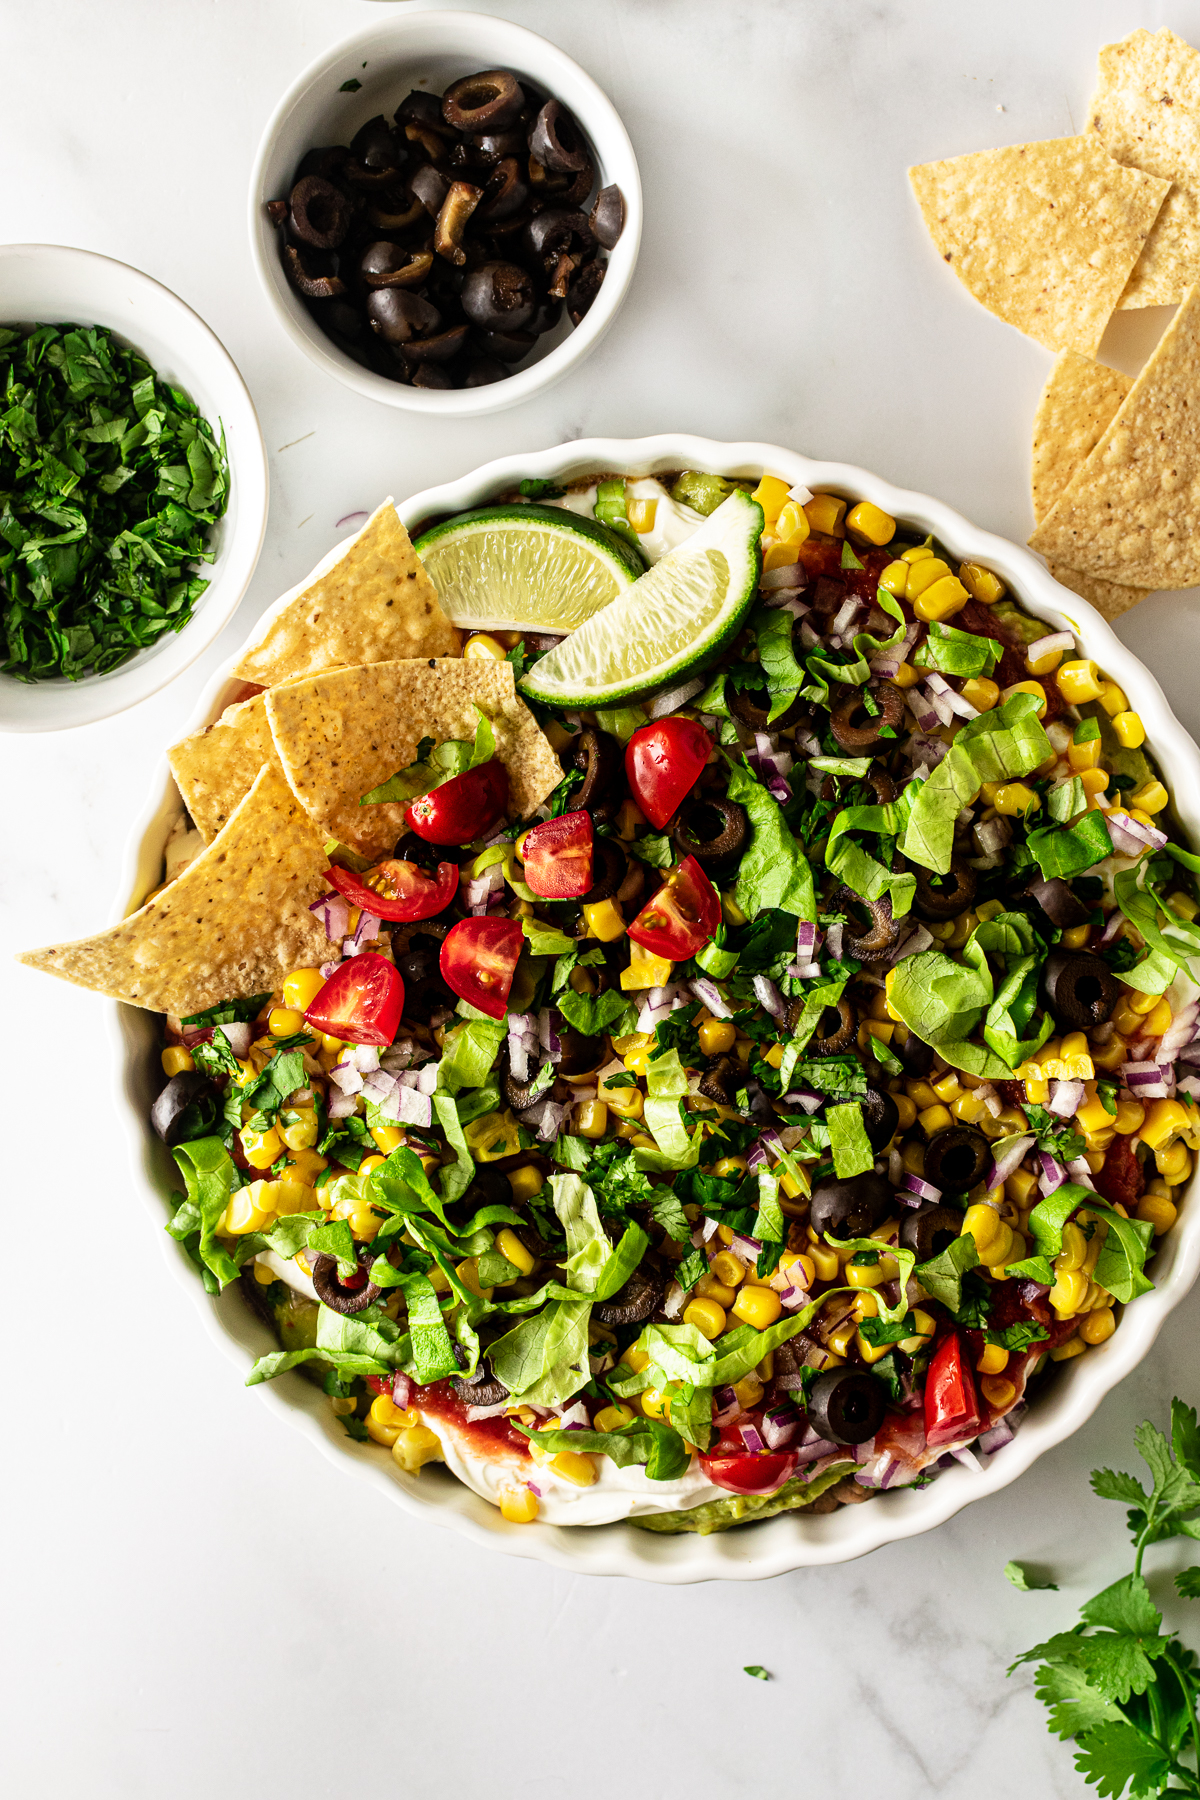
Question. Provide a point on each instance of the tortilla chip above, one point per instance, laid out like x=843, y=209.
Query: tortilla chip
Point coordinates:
x=1131, y=511
x=215, y=769
x=343, y=733
x=1044, y=235
x=1146, y=110
x=369, y=601
x=234, y=923
x=1111, y=598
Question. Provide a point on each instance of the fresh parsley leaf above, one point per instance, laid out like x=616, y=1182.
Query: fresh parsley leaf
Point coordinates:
x=756, y=1669
x=216, y=1056
x=1023, y=1578
x=230, y=1012
x=1116, y=1755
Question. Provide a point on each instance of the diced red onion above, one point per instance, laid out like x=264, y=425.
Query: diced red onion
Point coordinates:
x=673, y=1300
x=807, y=937
x=1129, y=836
x=726, y=1405
x=575, y=1415
x=349, y=519
x=379, y=1087
x=709, y=1227
x=846, y=613
x=548, y=1038
x=673, y=699
x=1066, y=1097
x=365, y=932
x=346, y=1077
x=1145, y=1080
x=880, y=1472
x=522, y=1041
x=751, y=1438
x=794, y=575
x=991, y=1099
x=896, y=1175
x=1009, y=1162
x=803, y=971
x=806, y=1101
x=940, y=688
x=532, y=1485
x=1053, y=1173
x=401, y=1389
x=334, y=913
x=967, y=1457
x=327, y=969
x=924, y=1190
x=414, y=1108
x=769, y=997
x=1112, y=925
x=546, y=1117
x=1080, y=1173
x=927, y=715
x=917, y=941
x=794, y=1296
x=1174, y=1038
x=992, y=835
x=341, y=1106
x=707, y=991
x=833, y=941
x=745, y=1246
x=814, y=1451
x=1189, y=1085
x=476, y=1414
x=780, y=1425
x=240, y=1034
x=808, y=637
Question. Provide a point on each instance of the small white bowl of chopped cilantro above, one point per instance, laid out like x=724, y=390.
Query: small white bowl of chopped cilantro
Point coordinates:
x=134, y=484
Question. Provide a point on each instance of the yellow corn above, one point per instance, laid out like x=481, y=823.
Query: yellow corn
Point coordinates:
x=1157, y=1210
x=924, y=572
x=591, y=1119
x=716, y=1036
x=985, y=1225
x=1173, y=1164
x=1131, y=733
x=842, y=1336
x=1164, y=1122
x=947, y=1087
x=604, y=921
x=981, y=584
x=641, y=515
x=1079, y=681
x=1014, y=799
x=1085, y=755
x=1074, y=1346
x=1020, y=1187
x=260, y=1148
x=387, y=1138
x=1030, y=687
x=920, y=1093
x=176, y=1060
x=518, y=1504
x=1151, y=798
x=1042, y=662
x=772, y=495
x=792, y=526
x=825, y=512
x=416, y=1447
x=894, y=579
x=510, y=1246
x=706, y=1316
x=825, y=1261
x=942, y=599
x=727, y=1268
x=1098, y=1325
x=1183, y=906
x=284, y=1021
x=303, y=1132
x=993, y=1360
x=645, y=969
x=778, y=556
x=710, y=1288
x=871, y=522
x=301, y=988
x=626, y=1102
x=611, y=1418
x=1068, y=1292
x=998, y=1391
x=982, y=693
x=385, y=1420
x=483, y=647
x=370, y=1162
x=1076, y=937
x=248, y=1210
x=1093, y=1117
x=757, y=1306
x=865, y=1275
x=526, y=1182
x=1112, y=699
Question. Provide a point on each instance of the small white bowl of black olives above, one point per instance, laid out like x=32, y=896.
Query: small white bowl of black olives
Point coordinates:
x=445, y=213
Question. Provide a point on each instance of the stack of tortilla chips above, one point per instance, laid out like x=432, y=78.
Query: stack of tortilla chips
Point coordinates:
x=354, y=668
x=1053, y=238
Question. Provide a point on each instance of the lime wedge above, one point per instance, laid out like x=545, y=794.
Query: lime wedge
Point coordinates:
x=530, y=568
x=673, y=618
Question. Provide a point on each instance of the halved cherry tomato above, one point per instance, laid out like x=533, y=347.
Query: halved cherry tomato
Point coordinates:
x=558, y=857
x=951, y=1405
x=742, y=1473
x=361, y=1003
x=478, y=960
x=663, y=763
x=465, y=807
x=404, y=893
x=681, y=916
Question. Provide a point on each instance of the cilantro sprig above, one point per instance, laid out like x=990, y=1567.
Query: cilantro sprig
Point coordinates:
x=1117, y=1684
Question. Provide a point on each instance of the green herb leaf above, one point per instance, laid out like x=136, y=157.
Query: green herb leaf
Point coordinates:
x=756, y=1669
x=997, y=746
x=852, y=1152
x=1025, y=1579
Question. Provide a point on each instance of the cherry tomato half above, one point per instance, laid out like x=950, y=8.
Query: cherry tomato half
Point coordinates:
x=742, y=1473
x=558, y=857
x=465, y=807
x=478, y=960
x=405, y=892
x=951, y=1404
x=681, y=917
x=663, y=764
x=361, y=1003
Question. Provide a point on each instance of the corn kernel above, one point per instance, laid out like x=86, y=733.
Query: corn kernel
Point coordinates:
x=710, y=1288
x=993, y=1359
x=575, y=1466
x=518, y=1504
x=906, y=1109
x=998, y=1391
x=981, y=584
x=176, y=1060
x=727, y=1268
x=772, y=495
x=757, y=1306
x=261, y=1148
x=1165, y=1120
x=1014, y=799
x=284, y=1021
x=1155, y=1209
x=706, y=1316
x=611, y=1418
x=641, y=515
x=981, y=692
x=894, y=579
x=591, y=1119
x=509, y=1245
x=1151, y=798
x=481, y=646
x=774, y=1056
x=1098, y=1326
x=1183, y=906
x=1079, y=681
x=942, y=599
x=825, y=1261
x=842, y=1336
x=985, y=1225
x=1112, y=699
x=301, y=988
x=387, y=1138
x=468, y=1273
x=934, y=1118
x=1069, y=1290
x=749, y=1391
x=525, y=1183
x=728, y=1167
x=1173, y=1164
x=415, y=1447
x=604, y=921
x=926, y=1325
x=654, y=1403
x=871, y=522
x=716, y=1036
x=1029, y=687
x=1142, y=817
x=912, y=1157
x=825, y=512
x=370, y=1162
x=947, y=1087
x=792, y=526
x=924, y=572
x=1085, y=755
x=1020, y=1187
x=1076, y=937
x=1131, y=733
x=1042, y=662
x=1073, y=1347
x=386, y=1420
x=1158, y=1019
x=778, y=556
x=645, y=969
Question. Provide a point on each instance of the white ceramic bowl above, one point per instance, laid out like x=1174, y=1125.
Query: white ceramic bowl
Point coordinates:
x=50, y=284
x=794, y=1539
x=389, y=57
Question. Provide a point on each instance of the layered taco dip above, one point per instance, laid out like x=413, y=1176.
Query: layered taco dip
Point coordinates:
x=682, y=1012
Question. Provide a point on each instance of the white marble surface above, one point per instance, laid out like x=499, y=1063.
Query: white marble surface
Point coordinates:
x=195, y=1600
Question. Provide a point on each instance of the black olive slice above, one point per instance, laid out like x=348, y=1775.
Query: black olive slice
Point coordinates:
x=319, y=213
x=482, y=371
x=312, y=283
x=398, y=316
x=599, y=755
x=608, y=216
x=837, y=1029
x=944, y=896
x=916, y=1055
x=957, y=1158
x=1059, y=904
x=479, y=1389
x=609, y=868
x=582, y=293
x=505, y=191
x=437, y=349
x=386, y=265
x=500, y=295
x=846, y=1406
x=489, y=101
x=331, y=1292
x=1078, y=989
x=555, y=231
x=712, y=830
x=721, y=1081
x=431, y=375
x=556, y=141
x=756, y=717
x=580, y=1055
x=880, y=1116
x=377, y=147
x=884, y=933
x=641, y=1295
x=929, y=1230
x=188, y=1107
x=854, y=728
x=850, y=1208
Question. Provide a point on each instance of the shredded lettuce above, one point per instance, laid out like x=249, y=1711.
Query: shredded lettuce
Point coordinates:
x=469, y=1053
x=1078, y=847
x=1171, y=942
x=774, y=871
x=852, y=1152
x=547, y=940
x=943, y=1000
x=590, y=1014
x=997, y=746
x=544, y=1359
x=210, y=1176
x=436, y=764
x=954, y=652
x=861, y=871
x=646, y=1442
